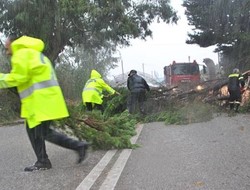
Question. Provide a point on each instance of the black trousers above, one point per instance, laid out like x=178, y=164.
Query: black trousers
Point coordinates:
x=136, y=100
x=90, y=106
x=235, y=95
x=42, y=132
x=234, y=99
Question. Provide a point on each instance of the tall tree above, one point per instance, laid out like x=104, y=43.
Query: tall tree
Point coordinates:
x=91, y=23
x=225, y=23
x=76, y=65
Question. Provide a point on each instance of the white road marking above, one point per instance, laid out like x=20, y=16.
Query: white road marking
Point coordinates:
x=115, y=172
x=90, y=179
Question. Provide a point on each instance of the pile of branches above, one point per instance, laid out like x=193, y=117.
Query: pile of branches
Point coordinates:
x=208, y=92
x=102, y=133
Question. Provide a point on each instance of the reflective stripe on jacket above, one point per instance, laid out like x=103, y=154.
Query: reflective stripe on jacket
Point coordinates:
x=235, y=81
x=94, y=87
x=36, y=82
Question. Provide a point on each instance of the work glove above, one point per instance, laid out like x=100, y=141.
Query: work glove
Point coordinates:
x=117, y=93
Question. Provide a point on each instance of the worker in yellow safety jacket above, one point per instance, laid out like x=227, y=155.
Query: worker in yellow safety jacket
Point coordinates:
x=92, y=94
x=41, y=97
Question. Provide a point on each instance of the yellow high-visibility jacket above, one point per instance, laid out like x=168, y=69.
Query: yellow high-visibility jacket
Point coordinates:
x=36, y=82
x=94, y=87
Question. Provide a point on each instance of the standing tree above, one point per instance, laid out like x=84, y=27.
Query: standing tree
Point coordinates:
x=224, y=23
x=76, y=65
x=90, y=23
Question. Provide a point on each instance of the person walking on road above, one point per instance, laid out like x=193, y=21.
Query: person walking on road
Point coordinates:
x=235, y=84
x=41, y=98
x=92, y=94
x=137, y=86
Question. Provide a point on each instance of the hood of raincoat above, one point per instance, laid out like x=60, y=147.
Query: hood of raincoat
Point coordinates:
x=95, y=74
x=27, y=42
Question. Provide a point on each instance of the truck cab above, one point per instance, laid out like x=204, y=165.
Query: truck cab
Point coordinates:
x=183, y=74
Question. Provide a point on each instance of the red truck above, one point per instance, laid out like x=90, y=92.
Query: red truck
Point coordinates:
x=182, y=74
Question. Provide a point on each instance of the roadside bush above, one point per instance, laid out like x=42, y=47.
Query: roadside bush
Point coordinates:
x=183, y=113
x=9, y=105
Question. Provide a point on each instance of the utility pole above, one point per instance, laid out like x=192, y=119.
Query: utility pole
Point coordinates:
x=122, y=68
x=121, y=64
x=143, y=69
x=219, y=59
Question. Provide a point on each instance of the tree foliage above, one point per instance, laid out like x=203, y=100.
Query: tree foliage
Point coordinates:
x=85, y=33
x=91, y=23
x=10, y=103
x=225, y=23
x=76, y=65
x=113, y=132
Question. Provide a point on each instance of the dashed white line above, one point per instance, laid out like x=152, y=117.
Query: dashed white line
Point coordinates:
x=116, y=170
x=115, y=173
x=90, y=179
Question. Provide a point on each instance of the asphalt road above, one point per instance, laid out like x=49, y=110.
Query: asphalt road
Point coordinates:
x=214, y=155
x=16, y=153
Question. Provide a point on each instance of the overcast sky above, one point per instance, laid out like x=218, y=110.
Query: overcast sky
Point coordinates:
x=167, y=45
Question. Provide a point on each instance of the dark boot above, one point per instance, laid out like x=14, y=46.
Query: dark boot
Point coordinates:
x=237, y=108
x=39, y=166
x=82, y=151
x=231, y=106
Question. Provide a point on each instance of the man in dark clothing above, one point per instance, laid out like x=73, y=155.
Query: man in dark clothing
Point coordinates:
x=235, y=83
x=137, y=87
